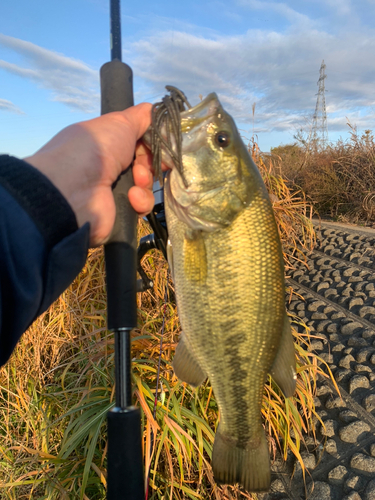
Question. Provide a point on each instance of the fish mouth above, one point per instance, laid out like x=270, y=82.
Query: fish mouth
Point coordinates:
x=191, y=117
x=203, y=104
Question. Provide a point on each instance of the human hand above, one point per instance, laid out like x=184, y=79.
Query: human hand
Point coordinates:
x=85, y=159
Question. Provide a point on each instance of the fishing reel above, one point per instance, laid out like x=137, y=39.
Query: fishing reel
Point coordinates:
x=158, y=239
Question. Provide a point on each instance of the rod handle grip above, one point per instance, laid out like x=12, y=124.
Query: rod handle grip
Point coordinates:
x=124, y=462
x=116, y=79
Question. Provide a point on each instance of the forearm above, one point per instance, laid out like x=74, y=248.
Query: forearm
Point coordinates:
x=41, y=248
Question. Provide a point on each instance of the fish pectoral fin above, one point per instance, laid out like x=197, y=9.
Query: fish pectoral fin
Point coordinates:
x=283, y=370
x=186, y=366
x=248, y=465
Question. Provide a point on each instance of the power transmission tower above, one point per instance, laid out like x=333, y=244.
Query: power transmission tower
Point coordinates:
x=319, y=128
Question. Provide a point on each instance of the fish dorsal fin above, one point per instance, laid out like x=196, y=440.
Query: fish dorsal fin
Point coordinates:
x=195, y=260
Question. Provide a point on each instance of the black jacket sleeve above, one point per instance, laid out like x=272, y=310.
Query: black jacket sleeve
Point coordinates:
x=41, y=248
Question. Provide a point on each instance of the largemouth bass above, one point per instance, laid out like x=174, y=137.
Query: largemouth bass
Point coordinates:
x=228, y=272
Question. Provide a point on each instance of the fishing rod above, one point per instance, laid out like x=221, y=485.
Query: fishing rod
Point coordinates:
x=122, y=260
x=124, y=460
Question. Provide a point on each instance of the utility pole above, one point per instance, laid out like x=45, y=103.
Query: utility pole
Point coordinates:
x=319, y=128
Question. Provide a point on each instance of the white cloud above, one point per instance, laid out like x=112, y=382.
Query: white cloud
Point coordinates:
x=10, y=107
x=72, y=82
x=278, y=71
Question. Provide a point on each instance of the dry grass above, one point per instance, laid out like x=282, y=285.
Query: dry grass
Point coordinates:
x=340, y=179
x=58, y=387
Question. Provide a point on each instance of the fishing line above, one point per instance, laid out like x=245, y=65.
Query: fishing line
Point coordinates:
x=166, y=119
x=157, y=385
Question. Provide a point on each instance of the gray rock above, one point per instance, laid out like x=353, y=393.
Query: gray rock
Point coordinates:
x=318, y=315
x=348, y=350
x=366, y=310
x=356, y=301
x=347, y=416
x=363, y=463
x=335, y=402
x=338, y=347
x=353, y=482
x=326, y=356
x=277, y=486
x=372, y=450
x=317, y=402
x=358, y=381
x=323, y=389
x=329, y=309
x=370, y=491
x=371, y=376
x=320, y=327
x=323, y=285
x=342, y=375
x=353, y=495
x=346, y=360
x=320, y=491
x=332, y=328
x=364, y=354
x=358, y=287
x=350, y=433
x=369, y=402
x=314, y=306
x=316, y=345
x=342, y=301
x=362, y=368
x=357, y=342
x=350, y=328
x=368, y=334
x=309, y=459
x=331, y=447
x=329, y=428
x=337, y=475
x=338, y=315
x=349, y=271
x=372, y=360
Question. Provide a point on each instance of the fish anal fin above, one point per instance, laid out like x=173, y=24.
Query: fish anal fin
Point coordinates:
x=186, y=366
x=249, y=465
x=283, y=370
x=195, y=260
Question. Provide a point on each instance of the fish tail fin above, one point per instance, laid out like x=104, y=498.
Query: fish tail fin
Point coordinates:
x=249, y=466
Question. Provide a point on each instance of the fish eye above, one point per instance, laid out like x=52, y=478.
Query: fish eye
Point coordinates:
x=222, y=139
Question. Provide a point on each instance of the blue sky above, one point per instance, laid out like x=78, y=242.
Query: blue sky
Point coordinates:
x=248, y=51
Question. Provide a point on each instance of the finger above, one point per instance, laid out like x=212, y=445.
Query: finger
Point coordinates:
x=142, y=200
x=142, y=176
x=143, y=155
x=139, y=117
